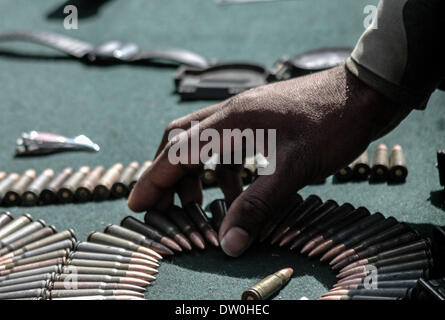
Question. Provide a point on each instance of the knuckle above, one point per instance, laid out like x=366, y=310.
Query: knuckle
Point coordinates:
x=175, y=124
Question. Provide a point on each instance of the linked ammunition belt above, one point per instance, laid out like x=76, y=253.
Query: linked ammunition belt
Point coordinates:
x=374, y=257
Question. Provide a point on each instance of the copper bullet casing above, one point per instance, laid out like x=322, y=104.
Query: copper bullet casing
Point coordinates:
x=32, y=193
x=268, y=286
x=84, y=191
x=49, y=193
x=121, y=187
x=102, y=191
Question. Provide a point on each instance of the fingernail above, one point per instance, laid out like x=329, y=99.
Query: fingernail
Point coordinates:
x=235, y=242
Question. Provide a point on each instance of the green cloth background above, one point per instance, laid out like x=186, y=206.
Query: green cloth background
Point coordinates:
x=125, y=109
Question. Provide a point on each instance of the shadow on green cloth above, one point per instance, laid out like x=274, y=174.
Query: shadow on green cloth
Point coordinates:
x=86, y=9
x=437, y=198
x=259, y=261
x=252, y=263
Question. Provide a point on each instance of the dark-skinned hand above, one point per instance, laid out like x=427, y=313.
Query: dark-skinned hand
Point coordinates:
x=323, y=122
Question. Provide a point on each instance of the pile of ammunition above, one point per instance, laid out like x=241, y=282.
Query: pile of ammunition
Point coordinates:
x=69, y=186
x=39, y=263
x=375, y=257
x=36, y=262
x=384, y=168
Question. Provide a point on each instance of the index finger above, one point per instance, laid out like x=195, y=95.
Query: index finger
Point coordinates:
x=160, y=178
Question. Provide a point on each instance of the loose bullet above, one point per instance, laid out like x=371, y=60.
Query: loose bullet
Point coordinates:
x=340, y=261
x=321, y=211
x=293, y=202
x=5, y=218
x=137, y=238
x=360, y=166
x=108, y=271
x=139, y=173
x=268, y=286
x=72, y=277
x=102, y=191
x=112, y=257
x=397, y=165
x=111, y=250
x=49, y=194
x=357, y=237
x=121, y=188
x=320, y=244
x=218, y=208
x=321, y=226
x=6, y=184
x=66, y=192
x=180, y=218
x=150, y=232
x=32, y=193
x=14, y=195
x=85, y=189
x=199, y=217
x=61, y=285
x=157, y=220
x=309, y=205
x=15, y=225
x=92, y=292
x=22, y=232
x=380, y=163
x=103, y=238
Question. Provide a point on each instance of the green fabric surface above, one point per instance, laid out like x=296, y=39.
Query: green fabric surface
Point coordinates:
x=125, y=109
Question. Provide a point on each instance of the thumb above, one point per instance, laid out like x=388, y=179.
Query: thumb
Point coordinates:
x=250, y=210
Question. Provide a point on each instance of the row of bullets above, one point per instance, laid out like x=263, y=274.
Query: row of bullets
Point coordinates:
x=383, y=168
x=37, y=262
x=85, y=184
x=69, y=186
x=374, y=257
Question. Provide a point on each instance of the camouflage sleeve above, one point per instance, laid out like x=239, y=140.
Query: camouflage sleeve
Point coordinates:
x=401, y=54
